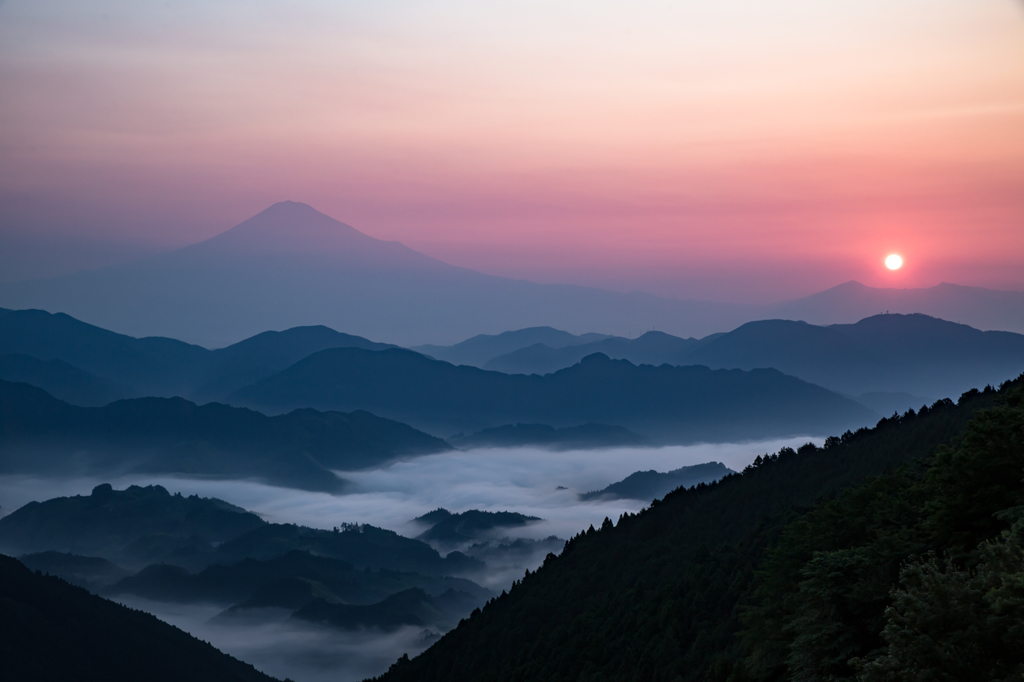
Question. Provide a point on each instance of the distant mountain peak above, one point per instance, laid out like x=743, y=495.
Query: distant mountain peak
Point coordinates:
x=292, y=228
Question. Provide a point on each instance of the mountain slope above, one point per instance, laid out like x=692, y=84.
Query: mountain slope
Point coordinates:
x=650, y=485
x=108, y=521
x=61, y=380
x=667, y=404
x=93, y=366
x=171, y=435
x=480, y=349
x=658, y=596
x=250, y=581
x=148, y=366
x=984, y=309
x=51, y=630
x=272, y=272
x=911, y=353
x=652, y=348
x=260, y=356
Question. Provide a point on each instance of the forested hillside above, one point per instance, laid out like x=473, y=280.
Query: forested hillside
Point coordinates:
x=891, y=553
x=51, y=630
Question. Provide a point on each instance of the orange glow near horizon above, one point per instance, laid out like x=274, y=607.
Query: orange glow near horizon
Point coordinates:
x=731, y=150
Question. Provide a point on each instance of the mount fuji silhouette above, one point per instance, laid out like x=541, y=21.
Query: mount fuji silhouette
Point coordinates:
x=291, y=266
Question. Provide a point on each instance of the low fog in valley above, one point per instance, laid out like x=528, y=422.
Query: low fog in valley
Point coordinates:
x=532, y=481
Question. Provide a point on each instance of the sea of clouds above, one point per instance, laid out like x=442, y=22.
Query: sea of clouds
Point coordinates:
x=532, y=481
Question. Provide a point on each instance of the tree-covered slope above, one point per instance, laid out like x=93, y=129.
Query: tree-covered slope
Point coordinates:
x=667, y=404
x=108, y=522
x=684, y=590
x=172, y=435
x=51, y=631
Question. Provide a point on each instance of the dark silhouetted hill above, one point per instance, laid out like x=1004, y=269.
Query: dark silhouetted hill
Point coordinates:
x=61, y=380
x=653, y=348
x=410, y=607
x=172, y=435
x=264, y=354
x=148, y=366
x=92, y=573
x=52, y=631
x=649, y=485
x=252, y=583
x=666, y=404
x=108, y=521
x=584, y=436
x=86, y=365
x=455, y=529
x=884, y=353
x=363, y=546
x=482, y=348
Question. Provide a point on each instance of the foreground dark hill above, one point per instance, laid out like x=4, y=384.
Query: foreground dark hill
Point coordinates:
x=51, y=631
x=87, y=365
x=253, y=583
x=39, y=433
x=742, y=580
x=666, y=404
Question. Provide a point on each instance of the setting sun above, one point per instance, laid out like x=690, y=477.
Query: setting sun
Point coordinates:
x=893, y=262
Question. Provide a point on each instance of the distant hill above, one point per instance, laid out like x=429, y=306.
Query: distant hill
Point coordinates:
x=107, y=522
x=51, y=630
x=410, y=607
x=271, y=272
x=253, y=583
x=171, y=435
x=92, y=573
x=61, y=380
x=264, y=354
x=650, y=485
x=451, y=529
x=148, y=366
x=480, y=349
x=890, y=354
x=884, y=353
x=585, y=436
x=652, y=348
x=984, y=309
x=90, y=366
x=363, y=546
x=666, y=404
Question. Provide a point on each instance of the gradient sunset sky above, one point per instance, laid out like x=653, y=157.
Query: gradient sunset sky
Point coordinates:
x=732, y=150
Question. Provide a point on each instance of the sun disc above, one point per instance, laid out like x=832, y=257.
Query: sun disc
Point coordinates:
x=893, y=262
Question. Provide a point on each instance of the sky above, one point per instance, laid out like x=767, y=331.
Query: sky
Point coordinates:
x=732, y=150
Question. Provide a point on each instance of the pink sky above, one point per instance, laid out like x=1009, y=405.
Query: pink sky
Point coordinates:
x=716, y=149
